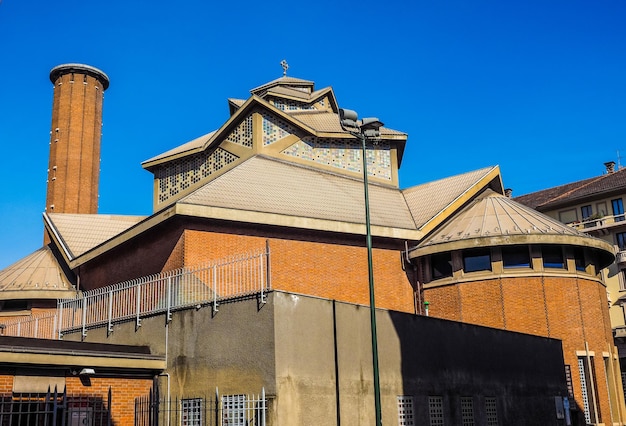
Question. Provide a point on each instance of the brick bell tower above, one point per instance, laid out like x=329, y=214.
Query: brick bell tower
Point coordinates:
x=74, y=164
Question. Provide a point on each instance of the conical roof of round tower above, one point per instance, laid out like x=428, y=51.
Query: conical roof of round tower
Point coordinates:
x=36, y=276
x=492, y=219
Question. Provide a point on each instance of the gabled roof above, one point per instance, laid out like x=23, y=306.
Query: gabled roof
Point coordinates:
x=493, y=219
x=36, y=275
x=433, y=202
x=575, y=192
x=283, y=81
x=79, y=233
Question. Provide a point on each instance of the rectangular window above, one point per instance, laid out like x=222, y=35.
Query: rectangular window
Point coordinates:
x=405, y=411
x=552, y=257
x=585, y=388
x=467, y=411
x=586, y=212
x=491, y=411
x=234, y=410
x=620, y=238
x=477, y=260
x=191, y=412
x=441, y=264
x=435, y=410
x=618, y=209
x=516, y=257
x=568, y=382
x=579, y=259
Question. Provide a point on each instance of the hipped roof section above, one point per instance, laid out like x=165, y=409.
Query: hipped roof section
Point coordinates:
x=268, y=191
x=492, y=219
x=319, y=123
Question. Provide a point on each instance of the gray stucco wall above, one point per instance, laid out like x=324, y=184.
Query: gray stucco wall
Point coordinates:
x=313, y=357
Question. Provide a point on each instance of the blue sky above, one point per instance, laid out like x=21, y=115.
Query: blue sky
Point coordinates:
x=536, y=87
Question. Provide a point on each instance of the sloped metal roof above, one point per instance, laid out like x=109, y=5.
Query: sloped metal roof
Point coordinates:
x=188, y=146
x=39, y=271
x=493, y=219
x=80, y=233
x=427, y=200
x=268, y=185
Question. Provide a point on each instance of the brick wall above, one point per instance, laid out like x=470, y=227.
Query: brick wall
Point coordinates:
x=123, y=394
x=329, y=270
x=571, y=309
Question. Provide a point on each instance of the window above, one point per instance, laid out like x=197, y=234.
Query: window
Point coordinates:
x=621, y=240
x=191, y=412
x=405, y=411
x=491, y=411
x=435, y=410
x=467, y=411
x=234, y=410
x=586, y=212
x=585, y=387
x=477, y=260
x=552, y=257
x=618, y=209
x=441, y=264
x=516, y=257
x=579, y=259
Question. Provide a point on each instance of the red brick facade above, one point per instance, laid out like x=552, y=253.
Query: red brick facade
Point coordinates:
x=74, y=163
x=569, y=308
x=333, y=271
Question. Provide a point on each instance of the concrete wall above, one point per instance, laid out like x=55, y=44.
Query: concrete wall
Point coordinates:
x=313, y=357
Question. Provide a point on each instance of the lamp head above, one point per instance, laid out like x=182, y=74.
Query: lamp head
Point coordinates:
x=348, y=120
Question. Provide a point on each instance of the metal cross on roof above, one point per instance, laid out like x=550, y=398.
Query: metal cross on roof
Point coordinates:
x=285, y=66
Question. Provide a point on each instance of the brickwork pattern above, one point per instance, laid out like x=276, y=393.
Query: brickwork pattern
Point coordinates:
x=329, y=270
x=571, y=309
x=74, y=163
x=123, y=394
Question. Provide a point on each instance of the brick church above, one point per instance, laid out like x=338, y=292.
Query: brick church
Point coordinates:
x=252, y=272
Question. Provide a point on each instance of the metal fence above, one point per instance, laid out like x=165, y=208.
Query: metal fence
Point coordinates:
x=55, y=408
x=207, y=284
x=224, y=410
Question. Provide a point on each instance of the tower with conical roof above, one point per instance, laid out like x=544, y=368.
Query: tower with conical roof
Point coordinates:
x=74, y=164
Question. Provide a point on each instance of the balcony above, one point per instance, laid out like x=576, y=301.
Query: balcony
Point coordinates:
x=599, y=224
x=620, y=259
x=619, y=331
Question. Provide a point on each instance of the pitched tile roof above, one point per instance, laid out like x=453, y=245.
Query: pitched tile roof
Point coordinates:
x=575, y=192
x=494, y=219
x=268, y=185
x=80, y=233
x=440, y=193
x=38, y=271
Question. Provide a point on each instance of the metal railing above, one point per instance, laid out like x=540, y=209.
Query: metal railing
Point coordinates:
x=206, y=284
x=220, y=410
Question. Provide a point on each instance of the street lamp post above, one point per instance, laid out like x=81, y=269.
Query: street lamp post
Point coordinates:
x=364, y=130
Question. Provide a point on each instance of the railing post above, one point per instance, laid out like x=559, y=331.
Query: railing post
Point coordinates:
x=110, y=312
x=215, y=289
x=84, y=316
x=55, y=324
x=60, y=322
x=138, y=305
x=36, y=332
x=262, y=277
x=169, y=298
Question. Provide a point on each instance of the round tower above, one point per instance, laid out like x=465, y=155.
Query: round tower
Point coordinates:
x=74, y=164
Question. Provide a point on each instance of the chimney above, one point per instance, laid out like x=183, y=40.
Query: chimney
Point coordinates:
x=74, y=163
x=508, y=192
x=610, y=166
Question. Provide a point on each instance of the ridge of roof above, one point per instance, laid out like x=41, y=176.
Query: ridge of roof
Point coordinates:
x=574, y=191
x=282, y=80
